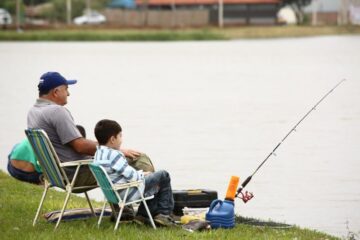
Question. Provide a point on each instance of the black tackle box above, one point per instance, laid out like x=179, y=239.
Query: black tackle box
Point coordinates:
x=193, y=198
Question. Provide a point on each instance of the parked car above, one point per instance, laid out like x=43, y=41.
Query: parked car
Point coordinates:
x=90, y=17
x=5, y=17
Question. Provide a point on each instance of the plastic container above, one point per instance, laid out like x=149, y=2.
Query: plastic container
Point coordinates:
x=221, y=214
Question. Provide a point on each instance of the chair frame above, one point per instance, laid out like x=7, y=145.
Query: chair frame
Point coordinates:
x=121, y=202
x=54, y=173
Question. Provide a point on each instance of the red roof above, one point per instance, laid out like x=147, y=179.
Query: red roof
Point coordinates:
x=204, y=2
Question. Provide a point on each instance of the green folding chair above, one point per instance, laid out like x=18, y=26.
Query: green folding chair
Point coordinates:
x=112, y=196
x=53, y=170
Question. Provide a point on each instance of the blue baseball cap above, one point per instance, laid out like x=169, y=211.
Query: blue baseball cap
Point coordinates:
x=51, y=80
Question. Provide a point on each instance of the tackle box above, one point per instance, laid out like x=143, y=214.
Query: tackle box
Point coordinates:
x=192, y=198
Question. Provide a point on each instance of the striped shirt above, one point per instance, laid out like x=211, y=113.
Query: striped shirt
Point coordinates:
x=118, y=169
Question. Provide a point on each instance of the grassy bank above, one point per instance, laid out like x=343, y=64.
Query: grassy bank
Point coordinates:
x=99, y=34
x=18, y=203
x=109, y=35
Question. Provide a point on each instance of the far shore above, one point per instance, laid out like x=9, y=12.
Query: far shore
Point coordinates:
x=99, y=33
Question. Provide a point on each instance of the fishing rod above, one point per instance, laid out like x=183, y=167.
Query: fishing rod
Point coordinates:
x=247, y=196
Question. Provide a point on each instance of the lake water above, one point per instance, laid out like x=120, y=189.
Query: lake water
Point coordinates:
x=208, y=110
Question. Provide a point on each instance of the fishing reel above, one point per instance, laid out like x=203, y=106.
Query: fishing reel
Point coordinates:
x=245, y=197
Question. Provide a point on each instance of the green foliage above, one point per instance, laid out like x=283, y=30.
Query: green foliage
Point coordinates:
x=99, y=4
x=19, y=201
x=59, y=11
x=96, y=33
x=34, y=2
x=106, y=35
x=56, y=13
x=9, y=5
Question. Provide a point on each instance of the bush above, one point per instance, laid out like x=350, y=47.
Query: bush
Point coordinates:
x=9, y=5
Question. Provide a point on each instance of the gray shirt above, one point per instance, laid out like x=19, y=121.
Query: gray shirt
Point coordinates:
x=59, y=125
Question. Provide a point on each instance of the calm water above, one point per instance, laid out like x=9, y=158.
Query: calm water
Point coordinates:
x=208, y=110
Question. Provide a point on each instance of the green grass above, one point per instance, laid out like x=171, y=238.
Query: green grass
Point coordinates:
x=211, y=33
x=286, y=31
x=109, y=35
x=19, y=201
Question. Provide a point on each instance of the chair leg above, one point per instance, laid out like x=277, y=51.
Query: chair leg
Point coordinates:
x=147, y=209
x=119, y=216
x=46, y=188
x=149, y=214
x=63, y=209
x=123, y=203
x=91, y=207
x=102, y=213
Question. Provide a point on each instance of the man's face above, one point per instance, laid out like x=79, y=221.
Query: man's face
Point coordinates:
x=61, y=93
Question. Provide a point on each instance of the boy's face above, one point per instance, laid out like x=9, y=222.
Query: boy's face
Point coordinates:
x=118, y=140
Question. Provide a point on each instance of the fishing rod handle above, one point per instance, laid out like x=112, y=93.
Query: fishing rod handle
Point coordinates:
x=243, y=185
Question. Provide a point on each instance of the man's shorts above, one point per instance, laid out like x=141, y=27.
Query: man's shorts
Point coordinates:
x=31, y=177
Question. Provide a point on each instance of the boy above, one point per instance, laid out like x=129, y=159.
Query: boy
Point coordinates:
x=109, y=136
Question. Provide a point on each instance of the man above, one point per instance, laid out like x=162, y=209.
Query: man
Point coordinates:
x=49, y=114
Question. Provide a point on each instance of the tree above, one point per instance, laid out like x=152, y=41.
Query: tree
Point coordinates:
x=59, y=11
x=297, y=6
x=9, y=5
x=34, y=2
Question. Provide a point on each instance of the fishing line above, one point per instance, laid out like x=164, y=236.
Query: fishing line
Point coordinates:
x=246, y=197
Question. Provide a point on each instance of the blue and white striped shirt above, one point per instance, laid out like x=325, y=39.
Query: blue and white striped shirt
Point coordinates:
x=118, y=169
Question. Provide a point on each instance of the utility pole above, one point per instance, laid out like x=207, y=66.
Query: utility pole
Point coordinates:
x=88, y=5
x=221, y=13
x=344, y=12
x=68, y=12
x=315, y=12
x=18, y=15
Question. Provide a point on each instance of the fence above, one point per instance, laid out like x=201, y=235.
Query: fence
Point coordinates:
x=156, y=18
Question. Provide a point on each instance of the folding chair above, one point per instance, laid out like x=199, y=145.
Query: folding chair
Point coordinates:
x=111, y=194
x=53, y=170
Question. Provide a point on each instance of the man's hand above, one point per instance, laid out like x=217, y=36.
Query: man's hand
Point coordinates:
x=130, y=153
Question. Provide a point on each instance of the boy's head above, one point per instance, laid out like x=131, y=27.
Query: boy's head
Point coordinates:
x=108, y=132
x=81, y=130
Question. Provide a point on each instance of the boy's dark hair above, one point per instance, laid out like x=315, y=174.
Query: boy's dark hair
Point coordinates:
x=81, y=130
x=105, y=129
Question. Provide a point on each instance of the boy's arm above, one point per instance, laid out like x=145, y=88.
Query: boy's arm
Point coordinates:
x=121, y=166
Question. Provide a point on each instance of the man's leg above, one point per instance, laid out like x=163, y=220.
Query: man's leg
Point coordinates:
x=84, y=177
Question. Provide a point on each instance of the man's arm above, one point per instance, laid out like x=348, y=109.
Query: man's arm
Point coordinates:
x=130, y=153
x=84, y=146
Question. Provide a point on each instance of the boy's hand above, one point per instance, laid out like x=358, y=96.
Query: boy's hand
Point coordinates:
x=146, y=173
x=130, y=153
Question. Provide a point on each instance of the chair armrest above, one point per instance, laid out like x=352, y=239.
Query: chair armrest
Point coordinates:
x=76, y=163
x=126, y=185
